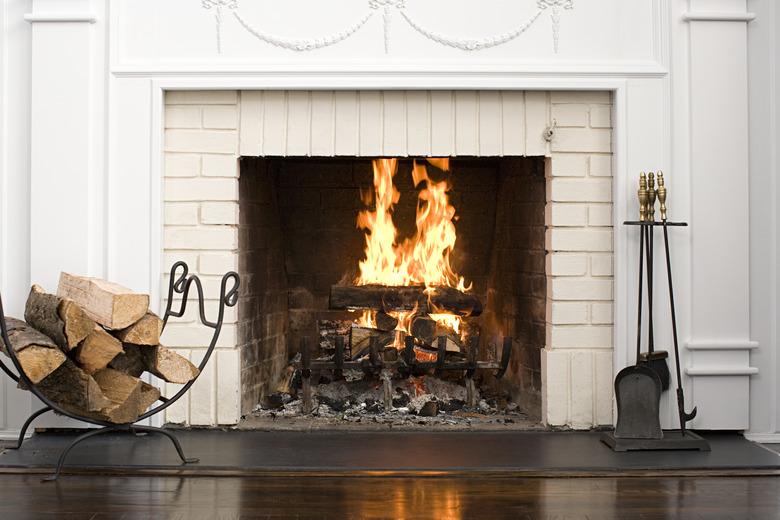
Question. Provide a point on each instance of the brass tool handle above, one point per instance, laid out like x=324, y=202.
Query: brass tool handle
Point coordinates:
x=642, y=194
x=651, y=197
x=662, y=195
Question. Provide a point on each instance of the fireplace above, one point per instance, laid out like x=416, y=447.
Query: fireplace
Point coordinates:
x=272, y=183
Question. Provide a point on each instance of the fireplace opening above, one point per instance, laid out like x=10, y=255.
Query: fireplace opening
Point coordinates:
x=417, y=287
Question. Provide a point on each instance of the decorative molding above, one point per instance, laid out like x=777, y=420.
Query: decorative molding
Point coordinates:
x=721, y=345
x=60, y=18
x=721, y=371
x=718, y=16
x=387, y=7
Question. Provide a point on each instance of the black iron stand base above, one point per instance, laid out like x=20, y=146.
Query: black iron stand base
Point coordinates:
x=672, y=440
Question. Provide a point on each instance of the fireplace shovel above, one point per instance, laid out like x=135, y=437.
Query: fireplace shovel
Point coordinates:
x=638, y=387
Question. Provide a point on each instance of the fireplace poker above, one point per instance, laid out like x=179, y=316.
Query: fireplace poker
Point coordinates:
x=684, y=416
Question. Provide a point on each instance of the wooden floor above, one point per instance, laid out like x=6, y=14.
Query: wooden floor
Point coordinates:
x=95, y=497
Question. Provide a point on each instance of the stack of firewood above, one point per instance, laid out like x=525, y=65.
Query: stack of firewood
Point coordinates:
x=86, y=347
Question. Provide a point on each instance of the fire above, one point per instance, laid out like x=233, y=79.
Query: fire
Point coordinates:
x=423, y=259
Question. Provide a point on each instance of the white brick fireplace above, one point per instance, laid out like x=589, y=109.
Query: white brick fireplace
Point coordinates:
x=205, y=132
x=124, y=121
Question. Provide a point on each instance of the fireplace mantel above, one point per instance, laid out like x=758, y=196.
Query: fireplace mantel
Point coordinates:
x=98, y=72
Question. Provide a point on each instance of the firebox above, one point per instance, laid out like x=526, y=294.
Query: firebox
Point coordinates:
x=366, y=262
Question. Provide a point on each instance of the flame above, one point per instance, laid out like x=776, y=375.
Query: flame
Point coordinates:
x=423, y=259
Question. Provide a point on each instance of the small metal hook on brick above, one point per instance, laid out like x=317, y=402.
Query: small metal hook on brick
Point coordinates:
x=549, y=133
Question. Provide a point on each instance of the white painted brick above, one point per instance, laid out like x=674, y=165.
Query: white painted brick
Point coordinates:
x=555, y=387
x=562, y=264
x=601, y=313
x=202, y=404
x=201, y=141
x=182, y=165
x=171, y=257
x=217, y=263
x=570, y=115
x=580, y=96
x=602, y=370
x=228, y=386
x=587, y=289
x=581, y=390
x=580, y=190
x=601, y=165
x=180, y=116
x=201, y=97
x=569, y=165
x=568, y=239
x=207, y=238
x=221, y=165
x=181, y=213
x=201, y=189
x=562, y=214
x=195, y=335
x=568, y=313
x=582, y=140
x=600, y=116
x=579, y=336
x=219, y=213
x=600, y=215
x=220, y=117
x=178, y=412
x=601, y=265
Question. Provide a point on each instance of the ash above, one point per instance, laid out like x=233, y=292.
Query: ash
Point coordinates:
x=418, y=403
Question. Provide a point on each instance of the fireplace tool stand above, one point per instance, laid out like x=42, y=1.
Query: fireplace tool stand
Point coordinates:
x=638, y=387
x=180, y=284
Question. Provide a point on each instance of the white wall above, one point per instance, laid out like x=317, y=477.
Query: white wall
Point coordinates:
x=116, y=69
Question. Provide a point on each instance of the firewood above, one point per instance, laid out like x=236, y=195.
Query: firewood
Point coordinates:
x=424, y=329
x=149, y=395
x=73, y=389
x=385, y=322
x=360, y=340
x=111, y=305
x=168, y=365
x=59, y=318
x=123, y=391
x=145, y=331
x=97, y=350
x=36, y=352
x=406, y=298
x=130, y=361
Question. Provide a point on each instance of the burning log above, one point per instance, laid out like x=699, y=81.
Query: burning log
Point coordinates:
x=404, y=298
x=360, y=340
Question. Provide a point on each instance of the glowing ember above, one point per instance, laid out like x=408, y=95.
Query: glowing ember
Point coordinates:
x=423, y=259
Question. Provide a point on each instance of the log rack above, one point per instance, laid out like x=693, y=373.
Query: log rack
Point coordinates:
x=180, y=284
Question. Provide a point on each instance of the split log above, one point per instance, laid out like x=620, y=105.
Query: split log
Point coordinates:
x=97, y=350
x=360, y=340
x=36, y=352
x=129, y=361
x=59, y=318
x=145, y=331
x=168, y=365
x=111, y=305
x=385, y=322
x=149, y=395
x=424, y=329
x=73, y=389
x=390, y=298
x=123, y=391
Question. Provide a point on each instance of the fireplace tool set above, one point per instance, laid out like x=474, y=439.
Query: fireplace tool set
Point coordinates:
x=638, y=387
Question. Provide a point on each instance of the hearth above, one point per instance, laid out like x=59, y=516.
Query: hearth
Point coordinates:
x=386, y=287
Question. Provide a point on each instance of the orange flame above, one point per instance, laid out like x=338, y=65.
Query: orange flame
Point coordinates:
x=423, y=259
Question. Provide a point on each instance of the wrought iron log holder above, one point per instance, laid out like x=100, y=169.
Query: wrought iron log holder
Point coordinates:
x=405, y=366
x=180, y=284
